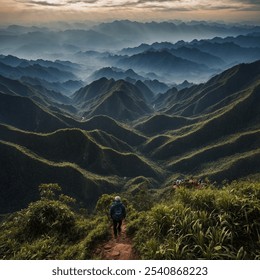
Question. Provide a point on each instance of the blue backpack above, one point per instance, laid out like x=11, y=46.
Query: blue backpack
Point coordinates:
x=118, y=214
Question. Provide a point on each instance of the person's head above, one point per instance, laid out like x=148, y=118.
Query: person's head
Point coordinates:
x=117, y=198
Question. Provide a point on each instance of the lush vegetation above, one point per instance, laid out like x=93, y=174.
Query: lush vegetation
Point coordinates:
x=188, y=223
x=51, y=228
x=205, y=223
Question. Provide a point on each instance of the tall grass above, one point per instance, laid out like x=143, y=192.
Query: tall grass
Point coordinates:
x=202, y=224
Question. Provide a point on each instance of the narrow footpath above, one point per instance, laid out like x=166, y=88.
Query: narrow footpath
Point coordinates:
x=119, y=248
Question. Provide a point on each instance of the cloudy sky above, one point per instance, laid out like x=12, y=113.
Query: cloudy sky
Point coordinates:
x=33, y=11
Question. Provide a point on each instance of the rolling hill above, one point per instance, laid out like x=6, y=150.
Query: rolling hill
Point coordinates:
x=85, y=149
x=22, y=172
x=160, y=123
x=117, y=132
x=24, y=113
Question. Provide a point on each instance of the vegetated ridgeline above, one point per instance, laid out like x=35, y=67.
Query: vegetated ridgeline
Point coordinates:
x=181, y=133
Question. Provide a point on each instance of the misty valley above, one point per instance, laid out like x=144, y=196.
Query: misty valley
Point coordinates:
x=131, y=108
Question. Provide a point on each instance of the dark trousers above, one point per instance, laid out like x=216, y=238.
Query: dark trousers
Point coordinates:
x=117, y=227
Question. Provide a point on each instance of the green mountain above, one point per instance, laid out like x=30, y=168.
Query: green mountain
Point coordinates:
x=88, y=150
x=108, y=138
x=224, y=114
x=22, y=171
x=24, y=113
x=161, y=123
x=112, y=127
x=103, y=96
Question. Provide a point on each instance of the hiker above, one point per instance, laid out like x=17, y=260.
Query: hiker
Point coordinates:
x=117, y=213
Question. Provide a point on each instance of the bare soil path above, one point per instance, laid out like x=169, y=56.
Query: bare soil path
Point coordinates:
x=119, y=248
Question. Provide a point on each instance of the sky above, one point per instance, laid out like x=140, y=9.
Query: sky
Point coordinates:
x=45, y=11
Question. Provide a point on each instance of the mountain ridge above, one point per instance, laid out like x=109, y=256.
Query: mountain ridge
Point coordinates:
x=113, y=132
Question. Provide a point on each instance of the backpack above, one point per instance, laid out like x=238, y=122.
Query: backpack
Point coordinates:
x=118, y=214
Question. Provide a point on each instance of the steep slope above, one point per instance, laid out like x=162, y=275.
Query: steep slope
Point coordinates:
x=124, y=102
x=36, y=92
x=207, y=159
x=22, y=172
x=14, y=87
x=24, y=113
x=66, y=88
x=108, y=125
x=146, y=91
x=242, y=115
x=120, y=100
x=156, y=86
x=114, y=73
x=77, y=147
x=218, y=92
x=160, y=123
x=105, y=123
x=95, y=89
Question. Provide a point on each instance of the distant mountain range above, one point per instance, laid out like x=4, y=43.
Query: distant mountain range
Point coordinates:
x=215, y=54
x=167, y=62
x=112, y=131
x=98, y=107
x=185, y=51
x=47, y=42
x=59, y=76
x=165, y=65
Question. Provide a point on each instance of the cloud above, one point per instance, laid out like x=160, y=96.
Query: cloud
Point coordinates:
x=245, y=4
x=82, y=1
x=43, y=3
x=253, y=2
x=142, y=8
x=160, y=4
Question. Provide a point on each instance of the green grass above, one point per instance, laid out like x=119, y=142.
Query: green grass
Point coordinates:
x=202, y=224
x=219, y=157
x=205, y=223
x=235, y=117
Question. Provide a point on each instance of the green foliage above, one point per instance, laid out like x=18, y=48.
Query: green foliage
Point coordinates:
x=202, y=224
x=48, y=191
x=50, y=229
x=142, y=200
x=103, y=204
x=205, y=223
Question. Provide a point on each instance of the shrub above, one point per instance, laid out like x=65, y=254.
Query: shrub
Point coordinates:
x=203, y=224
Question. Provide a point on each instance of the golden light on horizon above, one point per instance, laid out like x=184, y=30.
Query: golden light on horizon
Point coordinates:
x=73, y=10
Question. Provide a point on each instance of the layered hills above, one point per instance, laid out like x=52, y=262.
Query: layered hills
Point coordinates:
x=38, y=41
x=111, y=133
x=103, y=96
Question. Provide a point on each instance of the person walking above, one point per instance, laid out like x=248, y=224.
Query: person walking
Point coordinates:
x=117, y=214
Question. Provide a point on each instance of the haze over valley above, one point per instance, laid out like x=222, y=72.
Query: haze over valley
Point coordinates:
x=99, y=109
x=155, y=101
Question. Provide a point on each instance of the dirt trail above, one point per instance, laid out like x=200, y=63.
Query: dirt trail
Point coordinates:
x=119, y=248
